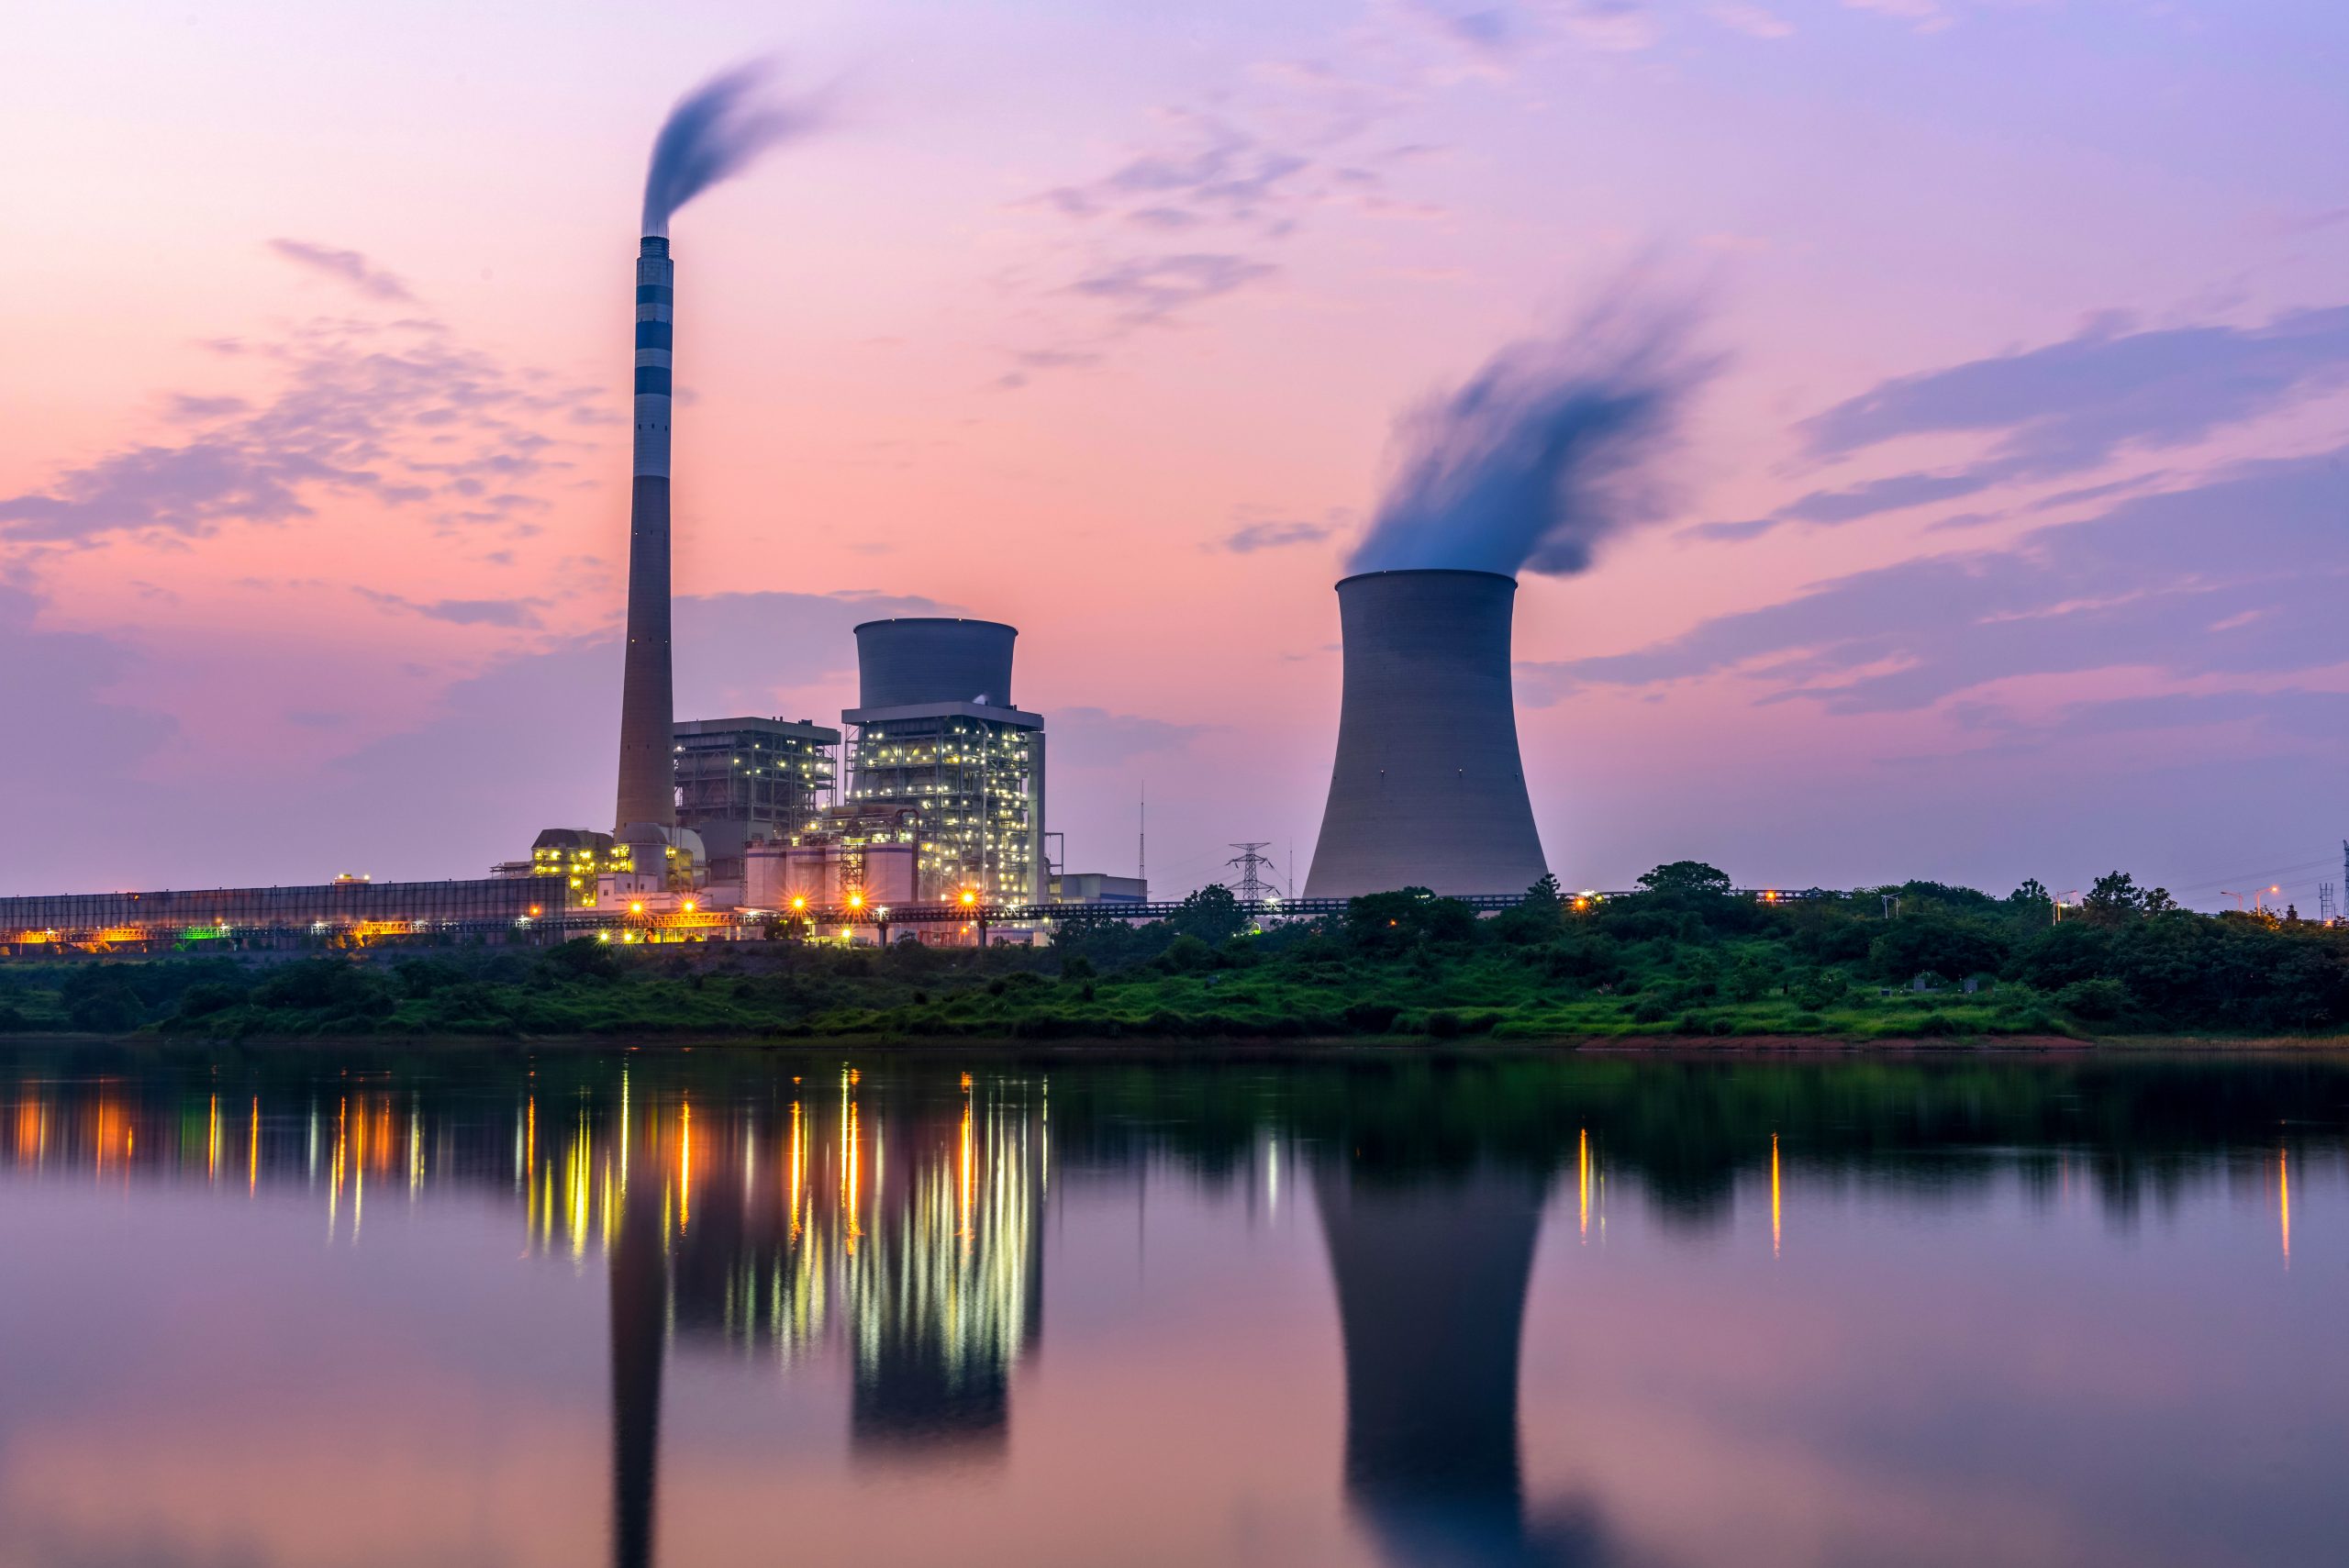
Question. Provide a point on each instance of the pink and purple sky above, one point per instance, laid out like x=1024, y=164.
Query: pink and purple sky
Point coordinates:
x=2012, y=540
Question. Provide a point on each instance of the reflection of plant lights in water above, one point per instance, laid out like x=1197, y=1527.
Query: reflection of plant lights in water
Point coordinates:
x=2284, y=1200
x=1774, y=1195
x=946, y=1259
x=1582, y=1180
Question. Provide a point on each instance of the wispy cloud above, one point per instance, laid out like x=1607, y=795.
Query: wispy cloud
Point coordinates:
x=2067, y=408
x=73, y=698
x=1250, y=538
x=1152, y=290
x=1193, y=213
x=345, y=266
x=1211, y=172
x=1751, y=20
x=1498, y=31
x=1097, y=738
x=517, y=615
x=2070, y=404
x=1926, y=15
x=2143, y=586
x=392, y=412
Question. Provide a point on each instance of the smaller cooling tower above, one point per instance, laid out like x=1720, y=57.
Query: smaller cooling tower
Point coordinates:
x=1427, y=790
x=933, y=658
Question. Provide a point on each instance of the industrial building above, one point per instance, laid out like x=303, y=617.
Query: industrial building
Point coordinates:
x=1095, y=887
x=1428, y=789
x=938, y=752
x=739, y=781
x=348, y=907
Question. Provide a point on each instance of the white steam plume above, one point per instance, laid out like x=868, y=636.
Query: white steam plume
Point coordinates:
x=1553, y=446
x=715, y=132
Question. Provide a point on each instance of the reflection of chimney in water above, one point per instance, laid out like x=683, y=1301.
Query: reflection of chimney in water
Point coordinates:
x=640, y=1289
x=1432, y=1281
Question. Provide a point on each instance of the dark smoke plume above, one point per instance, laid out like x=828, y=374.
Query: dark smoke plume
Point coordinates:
x=1553, y=445
x=715, y=132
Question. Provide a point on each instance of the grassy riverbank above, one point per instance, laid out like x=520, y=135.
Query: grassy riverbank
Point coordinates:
x=1684, y=958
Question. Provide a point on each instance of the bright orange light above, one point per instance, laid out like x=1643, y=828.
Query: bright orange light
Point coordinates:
x=799, y=904
x=637, y=907
x=969, y=897
x=856, y=900
x=534, y=908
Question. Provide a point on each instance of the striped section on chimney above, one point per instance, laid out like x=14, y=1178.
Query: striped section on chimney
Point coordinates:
x=648, y=791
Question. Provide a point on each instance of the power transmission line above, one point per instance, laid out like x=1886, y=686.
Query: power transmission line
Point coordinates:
x=1251, y=887
x=2272, y=872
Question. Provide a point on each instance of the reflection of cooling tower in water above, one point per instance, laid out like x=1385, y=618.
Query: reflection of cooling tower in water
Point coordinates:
x=1427, y=790
x=949, y=1286
x=1431, y=1280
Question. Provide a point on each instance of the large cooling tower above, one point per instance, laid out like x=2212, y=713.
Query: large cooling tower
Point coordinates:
x=648, y=772
x=1427, y=790
x=933, y=658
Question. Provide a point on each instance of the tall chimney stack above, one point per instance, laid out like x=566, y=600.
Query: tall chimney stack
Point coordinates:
x=647, y=785
x=1427, y=790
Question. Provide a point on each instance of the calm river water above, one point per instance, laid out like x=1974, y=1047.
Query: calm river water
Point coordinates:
x=713, y=1308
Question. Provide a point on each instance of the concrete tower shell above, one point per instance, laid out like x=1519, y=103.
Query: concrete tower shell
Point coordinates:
x=647, y=788
x=936, y=731
x=932, y=659
x=1427, y=790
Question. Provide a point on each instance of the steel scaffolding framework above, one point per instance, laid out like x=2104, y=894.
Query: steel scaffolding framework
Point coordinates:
x=973, y=784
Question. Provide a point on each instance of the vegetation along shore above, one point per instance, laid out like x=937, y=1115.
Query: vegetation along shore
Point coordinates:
x=1683, y=957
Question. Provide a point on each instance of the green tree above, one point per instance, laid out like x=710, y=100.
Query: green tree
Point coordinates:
x=1211, y=914
x=1410, y=917
x=1084, y=926
x=581, y=957
x=1752, y=979
x=1688, y=879
x=1535, y=918
x=2113, y=900
x=1937, y=944
x=2031, y=896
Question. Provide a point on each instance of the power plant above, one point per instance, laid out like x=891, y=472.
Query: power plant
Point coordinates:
x=1427, y=790
x=936, y=804
x=935, y=732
